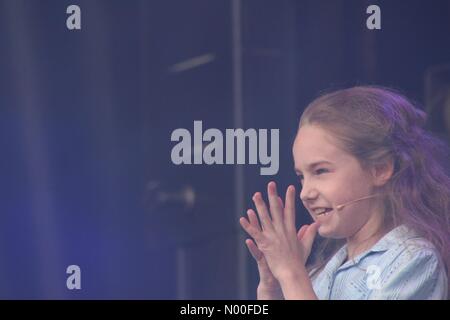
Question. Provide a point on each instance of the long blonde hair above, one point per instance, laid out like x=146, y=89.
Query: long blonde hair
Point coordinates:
x=376, y=124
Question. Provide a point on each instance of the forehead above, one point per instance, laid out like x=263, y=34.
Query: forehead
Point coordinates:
x=313, y=144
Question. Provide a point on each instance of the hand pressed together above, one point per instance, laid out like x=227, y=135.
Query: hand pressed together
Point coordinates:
x=277, y=246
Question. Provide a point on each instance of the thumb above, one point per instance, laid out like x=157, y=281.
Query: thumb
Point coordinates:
x=263, y=267
x=309, y=235
x=301, y=232
x=254, y=251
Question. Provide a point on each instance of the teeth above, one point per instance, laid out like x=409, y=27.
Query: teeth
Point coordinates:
x=321, y=211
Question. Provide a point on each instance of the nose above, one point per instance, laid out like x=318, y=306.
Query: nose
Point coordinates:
x=307, y=193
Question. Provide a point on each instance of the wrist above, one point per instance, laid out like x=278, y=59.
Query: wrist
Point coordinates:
x=265, y=292
x=292, y=274
x=297, y=285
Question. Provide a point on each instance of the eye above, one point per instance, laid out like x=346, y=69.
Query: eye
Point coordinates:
x=322, y=170
x=317, y=172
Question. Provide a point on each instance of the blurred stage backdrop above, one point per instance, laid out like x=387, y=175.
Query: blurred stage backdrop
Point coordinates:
x=86, y=116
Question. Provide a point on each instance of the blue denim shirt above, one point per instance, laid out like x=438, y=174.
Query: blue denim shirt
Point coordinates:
x=400, y=265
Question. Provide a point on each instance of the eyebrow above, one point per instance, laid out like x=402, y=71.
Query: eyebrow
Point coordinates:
x=312, y=165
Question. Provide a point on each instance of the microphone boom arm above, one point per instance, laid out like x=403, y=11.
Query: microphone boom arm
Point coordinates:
x=339, y=207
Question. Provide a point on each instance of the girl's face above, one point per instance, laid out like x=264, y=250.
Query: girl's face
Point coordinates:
x=330, y=177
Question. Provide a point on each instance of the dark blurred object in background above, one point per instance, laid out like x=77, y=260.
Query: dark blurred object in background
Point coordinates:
x=437, y=100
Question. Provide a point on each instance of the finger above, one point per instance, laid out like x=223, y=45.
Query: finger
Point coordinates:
x=281, y=206
x=301, y=231
x=253, y=219
x=289, y=210
x=310, y=235
x=280, y=202
x=275, y=208
x=254, y=251
x=263, y=267
x=261, y=208
x=255, y=234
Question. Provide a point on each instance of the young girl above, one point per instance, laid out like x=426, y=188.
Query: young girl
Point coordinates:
x=374, y=182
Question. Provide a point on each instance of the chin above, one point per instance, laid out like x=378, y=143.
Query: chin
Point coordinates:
x=325, y=232
x=328, y=232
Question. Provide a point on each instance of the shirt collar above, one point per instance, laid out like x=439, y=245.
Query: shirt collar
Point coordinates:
x=393, y=237
x=397, y=235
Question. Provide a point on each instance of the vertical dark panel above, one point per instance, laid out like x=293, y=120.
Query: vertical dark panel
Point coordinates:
x=190, y=78
x=269, y=72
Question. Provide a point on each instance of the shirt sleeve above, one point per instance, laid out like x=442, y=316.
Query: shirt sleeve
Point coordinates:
x=414, y=275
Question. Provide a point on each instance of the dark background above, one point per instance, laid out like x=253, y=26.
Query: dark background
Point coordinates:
x=86, y=118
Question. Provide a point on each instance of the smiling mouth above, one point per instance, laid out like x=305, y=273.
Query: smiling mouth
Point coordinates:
x=323, y=211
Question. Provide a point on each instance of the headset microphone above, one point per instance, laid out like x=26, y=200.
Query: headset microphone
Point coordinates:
x=341, y=206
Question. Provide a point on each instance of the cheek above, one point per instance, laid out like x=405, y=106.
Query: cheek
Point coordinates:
x=337, y=191
x=346, y=188
x=341, y=224
x=350, y=219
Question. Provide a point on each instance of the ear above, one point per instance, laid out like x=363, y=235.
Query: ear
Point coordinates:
x=381, y=173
